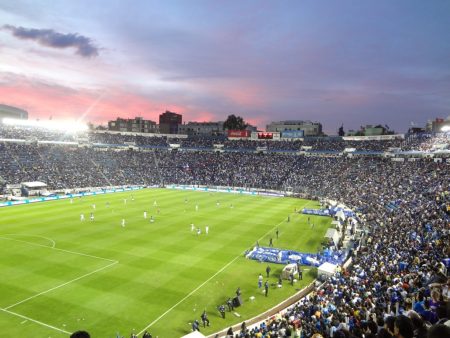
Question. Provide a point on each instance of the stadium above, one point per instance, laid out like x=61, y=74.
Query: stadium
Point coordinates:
x=118, y=234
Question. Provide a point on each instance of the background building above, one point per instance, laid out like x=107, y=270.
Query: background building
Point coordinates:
x=370, y=130
x=12, y=112
x=136, y=125
x=309, y=128
x=201, y=128
x=169, y=122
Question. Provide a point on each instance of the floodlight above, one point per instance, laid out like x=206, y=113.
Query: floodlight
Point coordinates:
x=68, y=126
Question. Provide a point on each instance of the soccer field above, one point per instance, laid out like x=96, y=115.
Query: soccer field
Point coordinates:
x=60, y=274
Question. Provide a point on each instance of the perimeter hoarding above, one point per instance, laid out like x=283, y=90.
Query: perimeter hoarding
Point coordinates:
x=239, y=133
x=292, y=134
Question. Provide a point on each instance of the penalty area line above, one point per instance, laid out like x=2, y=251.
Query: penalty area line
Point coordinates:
x=36, y=236
x=57, y=249
x=35, y=321
x=60, y=286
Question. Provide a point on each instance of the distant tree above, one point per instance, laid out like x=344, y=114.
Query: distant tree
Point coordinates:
x=388, y=130
x=234, y=122
x=341, y=131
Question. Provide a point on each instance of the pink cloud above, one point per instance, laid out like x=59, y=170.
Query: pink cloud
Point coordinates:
x=200, y=116
x=239, y=93
x=42, y=101
x=247, y=96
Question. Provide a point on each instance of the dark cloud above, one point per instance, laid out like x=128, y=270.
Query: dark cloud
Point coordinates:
x=50, y=38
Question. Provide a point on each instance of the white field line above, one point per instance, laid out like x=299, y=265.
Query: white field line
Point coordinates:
x=58, y=249
x=60, y=286
x=276, y=226
x=187, y=296
x=113, y=262
x=201, y=285
x=35, y=321
x=47, y=238
x=87, y=255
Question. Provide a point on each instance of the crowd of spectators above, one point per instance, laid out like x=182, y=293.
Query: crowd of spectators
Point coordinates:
x=330, y=144
x=123, y=139
x=339, y=144
x=428, y=142
x=33, y=133
x=71, y=166
x=202, y=142
x=397, y=276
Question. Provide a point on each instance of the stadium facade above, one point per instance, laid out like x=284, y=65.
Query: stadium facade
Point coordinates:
x=309, y=128
x=136, y=125
x=201, y=128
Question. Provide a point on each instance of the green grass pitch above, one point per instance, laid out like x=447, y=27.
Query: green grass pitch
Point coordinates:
x=59, y=274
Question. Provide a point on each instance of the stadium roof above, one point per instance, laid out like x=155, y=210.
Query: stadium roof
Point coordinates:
x=12, y=112
x=34, y=184
x=194, y=334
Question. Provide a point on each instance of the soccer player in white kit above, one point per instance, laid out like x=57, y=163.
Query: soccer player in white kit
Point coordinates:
x=81, y=217
x=123, y=222
x=207, y=229
x=145, y=214
x=192, y=227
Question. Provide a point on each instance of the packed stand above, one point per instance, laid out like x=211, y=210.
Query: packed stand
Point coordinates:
x=329, y=144
x=35, y=134
x=397, y=278
x=428, y=142
x=202, y=142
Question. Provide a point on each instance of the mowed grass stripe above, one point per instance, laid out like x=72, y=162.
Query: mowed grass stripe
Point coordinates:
x=40, y=269
x=160, y=263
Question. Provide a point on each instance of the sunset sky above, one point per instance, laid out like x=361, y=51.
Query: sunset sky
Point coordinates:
x=333, y=61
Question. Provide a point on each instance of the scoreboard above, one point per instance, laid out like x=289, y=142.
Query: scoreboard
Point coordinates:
x=265, y=135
